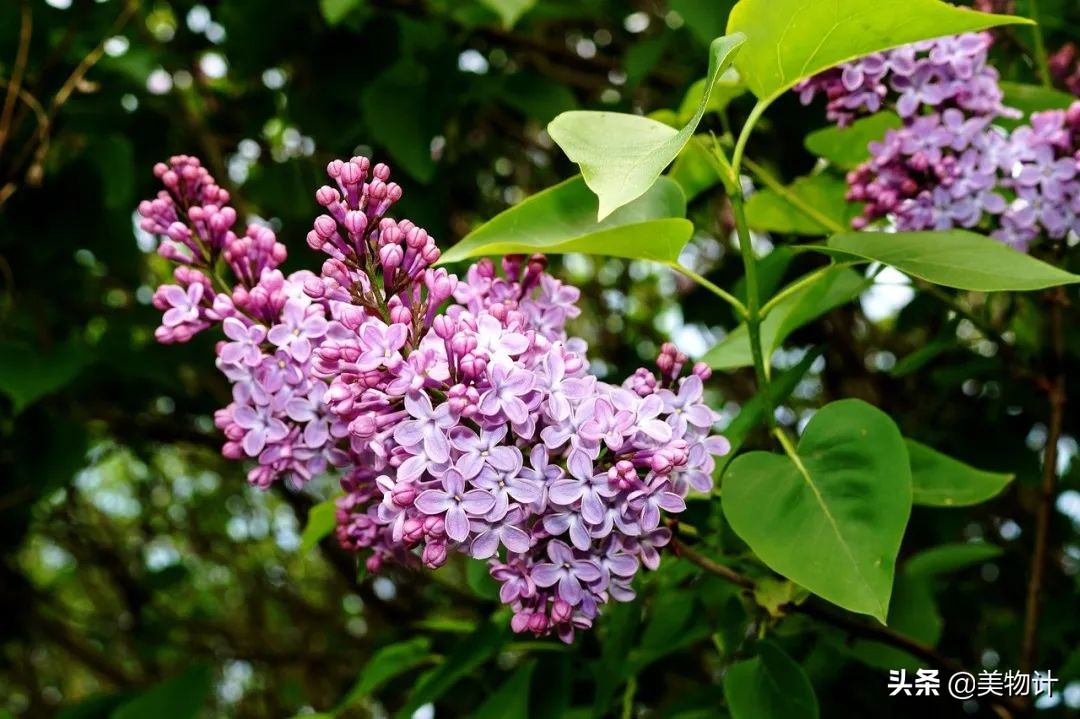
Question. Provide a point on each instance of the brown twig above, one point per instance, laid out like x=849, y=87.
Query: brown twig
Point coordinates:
x=1055, y=387
x=17, y=72
x=878, y=633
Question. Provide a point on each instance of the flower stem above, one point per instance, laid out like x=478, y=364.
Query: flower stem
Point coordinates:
x=1042, y=62
x=723, y=294
x=742, y=229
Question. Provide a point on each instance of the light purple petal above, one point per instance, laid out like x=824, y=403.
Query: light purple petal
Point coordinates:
x=433, y=501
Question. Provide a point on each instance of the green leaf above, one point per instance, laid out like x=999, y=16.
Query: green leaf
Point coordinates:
x=938, y=480
x=536, y=97
x=511, y=699
x=622, y=155
x=770, y=211
x=469, y=654
x=947, y=558
x=704, y=20
x=27, y=375
x=752, y=414
x=509, y=11
x=695, y=169
x=1034, y=98
x=954, y=258
x=335, y=11
x=832, y=518
x=617, y=632
x=181, y=697
x=727, y=87
x=320, y=523
x=390, y=106
x=562, y=219
x=836, y=287
x=769, y=686
x=848, y=147
x=913, y=613
x=789, y=40
x=389, y=662
x=479, y=580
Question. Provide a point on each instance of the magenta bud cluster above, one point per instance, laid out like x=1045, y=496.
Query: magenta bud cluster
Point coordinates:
x=459, y=412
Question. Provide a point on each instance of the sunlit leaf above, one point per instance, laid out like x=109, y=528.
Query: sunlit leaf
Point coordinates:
x=954, y=258
x=563, y=219
x=832, y=519
x=622, y=155
x=789, y=40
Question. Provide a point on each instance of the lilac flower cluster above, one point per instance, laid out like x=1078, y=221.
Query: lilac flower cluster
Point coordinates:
x=949, y=165
x=947, y=72
x=460, y=412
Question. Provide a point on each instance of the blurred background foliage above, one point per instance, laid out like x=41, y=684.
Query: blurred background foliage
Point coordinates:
x=141, y=577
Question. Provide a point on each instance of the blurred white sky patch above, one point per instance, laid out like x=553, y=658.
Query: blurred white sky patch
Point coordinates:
x=890, y=293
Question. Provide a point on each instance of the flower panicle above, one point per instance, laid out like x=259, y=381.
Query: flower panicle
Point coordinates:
x=460, y=412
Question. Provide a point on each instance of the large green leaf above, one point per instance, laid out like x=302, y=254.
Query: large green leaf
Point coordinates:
x=832, y=518
x=825, y=194
x=938, y=480
x=769, y=686
x=847, y=147
x=181, y=697
x=954, y=258
x=389, y=662
x=837, y=286
x=622, y=155
x=789, y=40
x=320, y=523
x=563, y=219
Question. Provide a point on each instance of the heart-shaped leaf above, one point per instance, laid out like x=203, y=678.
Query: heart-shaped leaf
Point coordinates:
x=509, y=11
x=938, y=480
x=769, y=686
x=836, y=287
x=622, y=155
x=563, y=219
x=789, y=40
x=954, y=258
x=830, y=518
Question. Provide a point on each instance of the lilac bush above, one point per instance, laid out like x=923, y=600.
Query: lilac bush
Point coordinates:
x=460, y=413
x=950, y=165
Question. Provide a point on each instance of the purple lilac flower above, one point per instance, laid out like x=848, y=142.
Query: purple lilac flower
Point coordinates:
x=430, y=392
x=949, y=165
